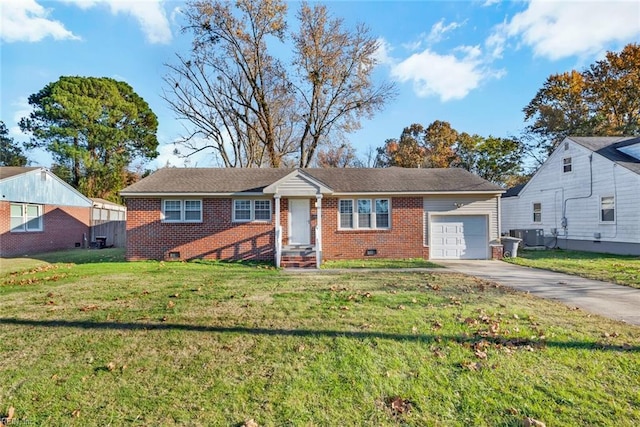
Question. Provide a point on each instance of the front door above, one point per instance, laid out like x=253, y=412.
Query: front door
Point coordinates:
x=299, y=222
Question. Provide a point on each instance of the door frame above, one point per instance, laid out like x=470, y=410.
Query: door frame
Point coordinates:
x=307, y=214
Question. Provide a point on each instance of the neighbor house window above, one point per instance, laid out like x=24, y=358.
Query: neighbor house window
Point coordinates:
x=371, y=213
x=251, y=210
x=182, y=210
x=607, y=209
x=566, y=164
x=537, y=212
x=26, y=217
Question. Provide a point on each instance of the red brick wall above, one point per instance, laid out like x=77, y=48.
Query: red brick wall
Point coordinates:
x=216, y=237
x=63, y=227
x=403, y=240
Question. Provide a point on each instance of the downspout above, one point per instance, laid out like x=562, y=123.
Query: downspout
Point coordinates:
x=563, y=221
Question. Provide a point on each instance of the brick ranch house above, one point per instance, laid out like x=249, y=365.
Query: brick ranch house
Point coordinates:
x=300, y=217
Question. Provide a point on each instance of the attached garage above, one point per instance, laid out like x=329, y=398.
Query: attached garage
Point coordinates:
x=459, y=237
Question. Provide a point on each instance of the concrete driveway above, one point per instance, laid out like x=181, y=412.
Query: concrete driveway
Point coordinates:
x=607, y=299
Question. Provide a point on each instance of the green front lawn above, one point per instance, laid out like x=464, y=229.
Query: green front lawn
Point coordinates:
x=623, y=270
x=204, y=343
x=379, y=263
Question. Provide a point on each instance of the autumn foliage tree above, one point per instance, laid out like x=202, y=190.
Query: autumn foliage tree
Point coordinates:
x=254, y=109
x=441, y=146
x=603, y=100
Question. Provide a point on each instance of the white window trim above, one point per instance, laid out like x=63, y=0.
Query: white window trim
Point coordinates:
x=25, y=219
x=570, y=164
x=182, y=211
x=252, y=210
x=600, y=211
x=533, y=212
x=354, y=213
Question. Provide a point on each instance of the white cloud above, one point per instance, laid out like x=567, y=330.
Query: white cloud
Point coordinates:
x=559, y=29
x=490, y=3
x=436, y=34
x=438, y=30
x=26, y=20
x=449, y=76
x=383, y=54
x=150, y=14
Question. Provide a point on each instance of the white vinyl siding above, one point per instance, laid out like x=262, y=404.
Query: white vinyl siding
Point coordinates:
x=182, y=211
x=577, y=196
x=246, y=210
x=25, y=217
x=372, y=214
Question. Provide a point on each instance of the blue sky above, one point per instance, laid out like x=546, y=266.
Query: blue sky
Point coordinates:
x=475, y=64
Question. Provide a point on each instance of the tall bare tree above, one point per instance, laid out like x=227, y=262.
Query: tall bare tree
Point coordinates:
x=243, y=103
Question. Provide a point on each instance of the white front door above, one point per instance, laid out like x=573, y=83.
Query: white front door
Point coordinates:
x=299, y=222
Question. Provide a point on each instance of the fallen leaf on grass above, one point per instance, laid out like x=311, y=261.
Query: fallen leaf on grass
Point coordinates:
x=111, y=366
x=437, y=325
x=89, y=307
x=434, y=287
x=171, y=304
x=250, y=423
x=399, y=405
x=531, y=422
x=472, y=366
x=480, y=354
x=438, y=353
x=176, y=295
x=76, y=413
x=344, y=308
x=401, y=307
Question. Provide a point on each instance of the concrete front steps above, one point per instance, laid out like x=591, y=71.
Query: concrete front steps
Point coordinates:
x=298, y=257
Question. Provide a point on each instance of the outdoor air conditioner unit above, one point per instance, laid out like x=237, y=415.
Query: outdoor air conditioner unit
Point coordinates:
x=530, y=237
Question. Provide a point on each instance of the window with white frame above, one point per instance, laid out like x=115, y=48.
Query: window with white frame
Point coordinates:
x=607, y=209
x=25, y=217
x=567, y=165
x=537, y=212
x=370, y=214
x=382, y=213
x=182, y=210
x=246, y=210
x=346, y=213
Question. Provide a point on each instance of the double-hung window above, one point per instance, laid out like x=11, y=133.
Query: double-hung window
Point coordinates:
x=567, y=165
x=182, y=210
x=364, y=213
x=245, y=210
x=607, y=209
x=25, y=217
x=537, y=212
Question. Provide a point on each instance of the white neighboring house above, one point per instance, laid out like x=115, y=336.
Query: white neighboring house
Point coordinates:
x=586, y=196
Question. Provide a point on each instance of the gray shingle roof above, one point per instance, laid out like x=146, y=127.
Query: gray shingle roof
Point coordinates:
x=607, y=146
x=348, y=180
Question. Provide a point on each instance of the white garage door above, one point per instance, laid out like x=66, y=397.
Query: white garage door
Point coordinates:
x=459, y=237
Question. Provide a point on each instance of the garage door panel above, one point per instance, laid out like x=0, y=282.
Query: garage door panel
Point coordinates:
x=459, y=237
